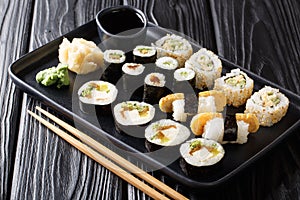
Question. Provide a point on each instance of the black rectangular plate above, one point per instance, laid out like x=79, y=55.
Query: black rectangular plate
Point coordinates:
x=236, y=158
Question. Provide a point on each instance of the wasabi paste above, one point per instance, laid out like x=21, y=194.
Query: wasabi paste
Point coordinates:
x=54, y=75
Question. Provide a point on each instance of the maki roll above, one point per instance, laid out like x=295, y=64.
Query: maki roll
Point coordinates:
x=268, y=104
x=144, y=54
x=129, y=114
x=207, y=67
x=174, y=46
x=97, y=93
x=154, y=88
x=211, y=101
x=183, y=79
x=166, y=65
x=200, y=156
x=165, y=133
x=237, y=87
x=114, y=59
x=132, y=76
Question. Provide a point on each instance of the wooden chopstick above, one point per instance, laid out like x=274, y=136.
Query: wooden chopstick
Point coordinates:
x=113, y=156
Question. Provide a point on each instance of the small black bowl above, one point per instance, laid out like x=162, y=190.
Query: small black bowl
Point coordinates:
x=121, y=27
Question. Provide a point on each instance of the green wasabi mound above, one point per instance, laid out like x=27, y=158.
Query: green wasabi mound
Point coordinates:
x=54, y=75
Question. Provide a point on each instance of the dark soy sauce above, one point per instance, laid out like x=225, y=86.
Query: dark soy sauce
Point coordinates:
x=121, y=20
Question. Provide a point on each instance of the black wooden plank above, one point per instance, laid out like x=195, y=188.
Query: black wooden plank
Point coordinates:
x=46, y=166
x=14, y=26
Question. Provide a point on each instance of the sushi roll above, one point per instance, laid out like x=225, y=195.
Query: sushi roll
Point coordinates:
x=211, y=101
x=114, y=60
x=129, y=114
x=132, y=76
x=144, y=54
x=268, y=104
x=174, y=46
x=166, y=65
x=165, y=133
x=176, y=104
x=154, y=88
x=97, y=93
x=237, y=87
x=200, y=156
x=184, y=79
x=207, y=67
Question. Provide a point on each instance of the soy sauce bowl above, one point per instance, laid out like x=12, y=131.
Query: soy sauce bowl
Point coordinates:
x=121, y=27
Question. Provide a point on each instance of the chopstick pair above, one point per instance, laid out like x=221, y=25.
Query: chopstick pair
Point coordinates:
x=100, y=153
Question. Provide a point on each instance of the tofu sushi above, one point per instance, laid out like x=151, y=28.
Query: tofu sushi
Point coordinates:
x=237, y=87
x=96, y=93
x=268, y=104
x=174, y=46
x=207, y=67
x=165, y=133
x=144, y=54
x=200, y=156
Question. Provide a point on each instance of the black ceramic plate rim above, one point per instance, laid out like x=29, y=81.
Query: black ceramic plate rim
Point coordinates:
x=178, y=177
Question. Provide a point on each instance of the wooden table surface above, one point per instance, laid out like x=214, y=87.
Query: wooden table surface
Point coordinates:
x=260, y=35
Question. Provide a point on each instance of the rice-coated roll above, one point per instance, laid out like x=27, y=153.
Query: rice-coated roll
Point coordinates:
x=207, y=67
x=268, y=104
x=133, y=113
x=200, y=152
x=114, y=56
x=100, y=93
x=211, y=101
x=237, y=87
x=166, y=132
x=174, y=46
x=97, y=93
x=144, y=54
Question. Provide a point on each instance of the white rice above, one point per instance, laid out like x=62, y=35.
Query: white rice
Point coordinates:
x=206, y=104
x=178, y=110
x=167, y=63
x=174, y=135
x=184, y=74
x=137, y=51
x=214, y=129
x=133, y=69
x=132, y=117
x=159, y=76
x=202, y=157
x=98, y=97
x=108, y=56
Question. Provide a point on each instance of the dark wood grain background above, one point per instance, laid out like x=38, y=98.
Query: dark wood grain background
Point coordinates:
x=260, y=35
